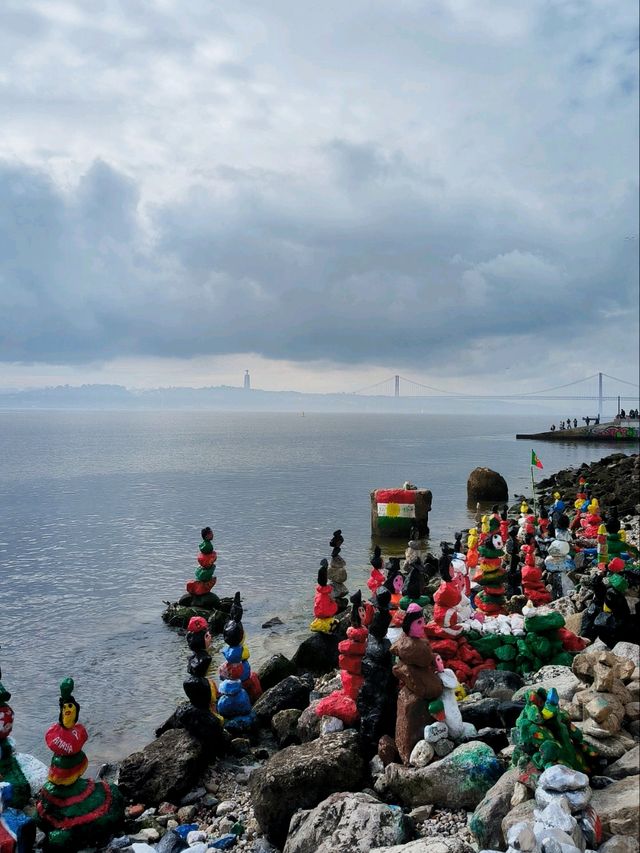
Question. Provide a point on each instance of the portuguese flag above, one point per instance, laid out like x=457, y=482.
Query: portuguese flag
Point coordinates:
x=535, y=462
x=396, y=509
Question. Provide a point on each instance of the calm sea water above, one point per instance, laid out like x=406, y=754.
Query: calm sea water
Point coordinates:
x=101, y=515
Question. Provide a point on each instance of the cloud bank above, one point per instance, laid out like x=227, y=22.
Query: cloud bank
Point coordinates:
x=449, y=190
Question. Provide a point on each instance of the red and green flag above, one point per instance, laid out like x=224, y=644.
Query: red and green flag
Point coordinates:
x=535, y=462
x=396, y=509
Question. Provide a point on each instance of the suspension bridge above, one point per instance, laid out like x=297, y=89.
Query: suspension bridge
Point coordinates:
x=396, y=386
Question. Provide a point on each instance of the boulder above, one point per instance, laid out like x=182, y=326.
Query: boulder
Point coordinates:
x=486, y=821
x=491, y=713
x=609, y=748
x=347, y=823
x=487, y=485
x=620, y=844
x=521, y=812
x=274, y=670
x=439, y=844
x=299, y=777
x=459, y=780
x=292, y=692
x=561, y=677
x=630, y=651
x=617, y=807
x=308, y=726
x=496, y=684
x=285, y=726
x=627, y=765
x=164, y=770
x=317, y=654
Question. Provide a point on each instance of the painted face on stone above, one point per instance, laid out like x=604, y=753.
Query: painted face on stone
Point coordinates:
x=439, y=663
x=497, y=542
x=69, y=715
x=398, y=583
x=416, y=629
x=6, y=721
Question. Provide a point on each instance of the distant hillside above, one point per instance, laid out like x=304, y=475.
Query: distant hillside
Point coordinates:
x=227, y=398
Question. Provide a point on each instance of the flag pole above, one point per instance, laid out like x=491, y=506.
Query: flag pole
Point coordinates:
x=533, y=487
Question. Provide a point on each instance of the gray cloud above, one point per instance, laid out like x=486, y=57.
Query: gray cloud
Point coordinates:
x=453, y=187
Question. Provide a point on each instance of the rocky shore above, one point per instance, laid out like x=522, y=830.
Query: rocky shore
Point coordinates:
x=297, y=782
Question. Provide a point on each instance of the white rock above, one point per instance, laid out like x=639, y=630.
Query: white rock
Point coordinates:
x=421, y=754
x=435, y=732
x=329, y=725
x=561, y=778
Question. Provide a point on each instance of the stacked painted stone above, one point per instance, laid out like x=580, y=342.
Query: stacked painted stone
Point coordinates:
x=490, y=572
x=199, y=591
x=73, y=811
x=234, y=702
x=324, y=605
x=342, y=703
x=337, y=572
x=376, y=702
x=376, y=578
x=445, y=633
x=533, y=588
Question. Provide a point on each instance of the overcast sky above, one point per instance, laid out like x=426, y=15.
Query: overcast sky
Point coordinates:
x=324, y=193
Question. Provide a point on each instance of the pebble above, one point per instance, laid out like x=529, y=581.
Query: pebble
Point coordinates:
x=193, y=796
x=196, y=835
x=134, y=811
x=226, y=807
x=187, y=813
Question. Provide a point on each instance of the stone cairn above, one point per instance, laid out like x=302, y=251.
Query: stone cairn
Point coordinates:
x=73, y=811
x=563, y=820
x=376, y=701
x=342, y=703
x=234, y=703
x=490, y=572
x=337, y=572
x=376, y=578
x=199, y=592
x=533, y=588
x=605, y=703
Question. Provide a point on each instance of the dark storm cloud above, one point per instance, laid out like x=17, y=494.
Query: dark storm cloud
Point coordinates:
x=450, y=184
x=366, y=268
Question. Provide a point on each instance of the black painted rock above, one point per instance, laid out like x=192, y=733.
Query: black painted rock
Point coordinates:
x=274, y=670
x=487, y=485
x=300, y=777
x=317, y=654
x=497, y=684
x=164, y=770
x=491, y=713
x=292, y=692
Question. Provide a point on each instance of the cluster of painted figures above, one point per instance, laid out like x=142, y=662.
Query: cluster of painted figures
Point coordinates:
x=401, y=676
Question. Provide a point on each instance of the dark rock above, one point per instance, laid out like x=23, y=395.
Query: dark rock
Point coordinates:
x=171, y=842
x=299, y=777
x=387, y=750
x=491, y=713
x=285, y=726
x=292, y=692
x=496, y=684
x=164, y=770
x=497, y=739
x=271, y=623
x=317, y=654
x=486, y=822
x=598, y=783
x=274, y=670
x=487, y=485
x=308, y=726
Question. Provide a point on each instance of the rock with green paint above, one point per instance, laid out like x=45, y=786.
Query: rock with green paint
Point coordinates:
x=460, y=780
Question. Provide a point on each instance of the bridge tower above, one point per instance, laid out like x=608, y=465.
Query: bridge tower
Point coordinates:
x=600, y=396
x=397, y=386
x=247, y=381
